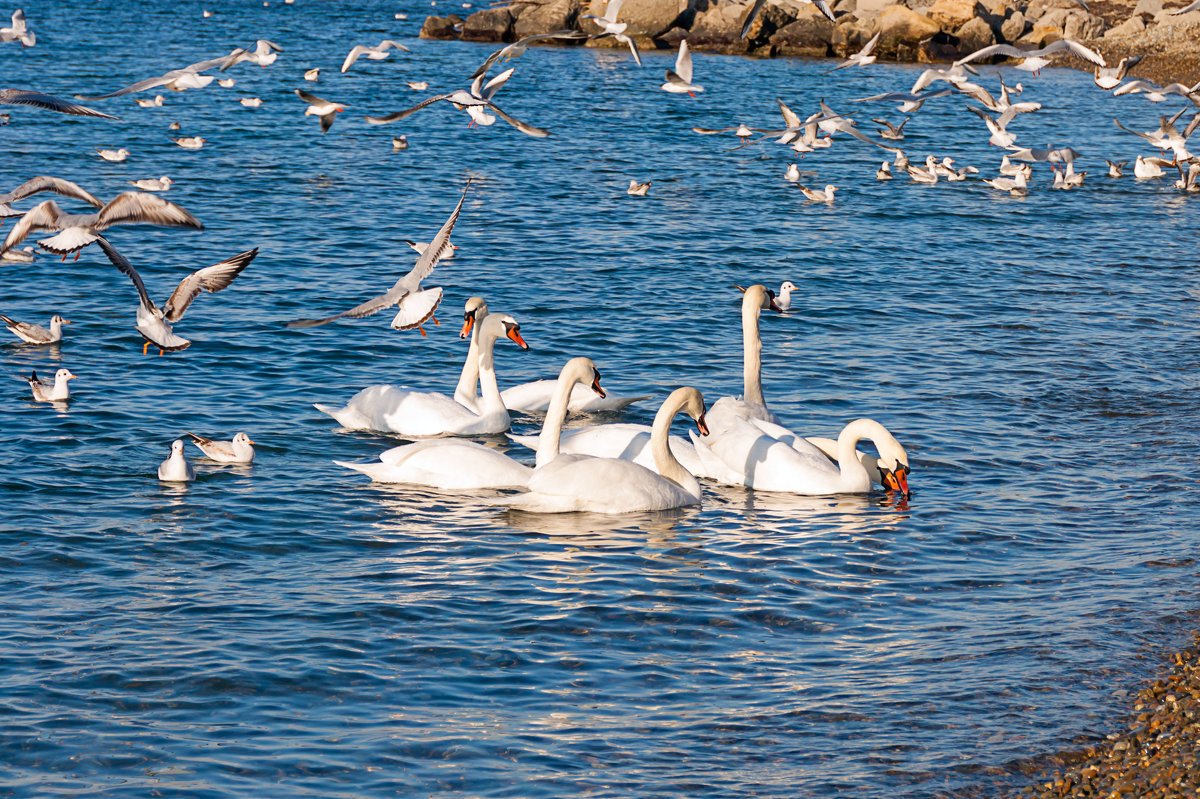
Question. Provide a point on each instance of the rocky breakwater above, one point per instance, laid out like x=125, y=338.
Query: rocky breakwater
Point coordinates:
x=916, y=30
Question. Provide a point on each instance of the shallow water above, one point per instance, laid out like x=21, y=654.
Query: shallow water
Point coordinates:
x=289, y=627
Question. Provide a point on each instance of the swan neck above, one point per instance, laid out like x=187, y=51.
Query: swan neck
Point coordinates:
x=847, y=445
x=751, y=355
x=556, y=415
x=488, y=388
x=665, y=461
x=464, y=392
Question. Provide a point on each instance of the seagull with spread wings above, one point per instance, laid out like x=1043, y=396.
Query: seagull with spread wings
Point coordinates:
x=613, y=28
x=477, y=102
x=679, y=80
x=40, y=184
x=1034, y=60
x=376, y=53
x=416, y=305
x=154, y=323
x=18, y=31
x=519, y=47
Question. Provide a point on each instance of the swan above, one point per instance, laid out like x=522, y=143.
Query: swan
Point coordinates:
x=566, y=483
x=421, y=414
x=532, y=397
x=752, y=404
x=770, y=460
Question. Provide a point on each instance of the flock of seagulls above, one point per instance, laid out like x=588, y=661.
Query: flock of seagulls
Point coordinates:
x=613, y=468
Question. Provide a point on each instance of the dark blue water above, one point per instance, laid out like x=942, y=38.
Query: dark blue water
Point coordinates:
x=289, y=628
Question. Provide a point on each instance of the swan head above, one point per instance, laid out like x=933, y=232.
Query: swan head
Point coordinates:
x=893, y=465
x=693, y=406
x=760, y=297
x=498, y=324
x=583, y=371
x=476, y=307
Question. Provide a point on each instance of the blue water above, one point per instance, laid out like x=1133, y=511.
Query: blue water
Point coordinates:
x=289, y=628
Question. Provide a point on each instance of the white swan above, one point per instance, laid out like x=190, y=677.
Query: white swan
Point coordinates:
x=785, y=462
x=447, y=464
x=420, y=414
x=535, y=396
x=751, y=404
x=567, y=483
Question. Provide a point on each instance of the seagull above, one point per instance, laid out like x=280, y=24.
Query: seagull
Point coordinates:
x=638, y=189
x=613, y=28
x=76, y=231
x=416, y=304
x=176, y=468
x=226, y=83
x=1190, y=180
x=113, y=155
x=818, y=195
x=376, y=53
x=821, y=5
x=153, y=184
x=946, y=169
x=1034, y=60
x=884, y=172
x=36, y=334
x=741, y=131
x=908, y=102
x=679, y=80
x=239, y=450
x=51, y=391
x=997, y=127
x=1111, y=77
x=1167, y=137
x=863, y=57
x=40, y=184
x=323, y=109
x=176, y=80
x=154, y=323
x=49, y=102
x=154, y=103
x=1017, y=185
x=417, y=86
x=189, y=142
x=18, y=31
x=1009, y=169
x=892, y=132
x=251, y=102
x=792, y=174
x=264, y=54
x=312, y=74
x=514, y=50
x=924, y=174
x=399, y=143
x=477, y=102
x=1115, y=168
x=1144, y=168
x=1155, y=93
x=174, y=126
x=955, y=76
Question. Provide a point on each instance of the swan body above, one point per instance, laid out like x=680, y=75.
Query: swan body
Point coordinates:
x=421, y=414
x=564, y=483
x=447, y=464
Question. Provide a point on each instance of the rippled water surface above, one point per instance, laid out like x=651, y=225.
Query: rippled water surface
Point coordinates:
x=290, y=628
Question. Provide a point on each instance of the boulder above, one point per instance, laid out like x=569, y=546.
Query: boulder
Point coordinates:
x=1014, y=27
x=1148, y=9
x=900, y=25
x=1039, y=36
x=720, y=27
x=1082, y=26
x=441, y=27
x=939, y=47
x=1055, y=18
x=850, y=35
x=869, y=9
x=809, y=35
x=546, y=17
x=951, y=14
x=488, y=25
x=643, y=18
x=1037, y=8
x=1130, y=27
x=974, y=34
x=842, y=7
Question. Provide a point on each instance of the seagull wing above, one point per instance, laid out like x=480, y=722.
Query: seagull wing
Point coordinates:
x=683, y=62
x=711, y=131
x=394, y=45
x=637, y=57
x=43, y=216
x=353, y=55
x=1080, y=51
x=210, y=278
x=142, y=208
x=824, y=8
x=869, y=47
x=49, y=102
x=527, y=129
x=437, y=249
x=494, y=85
x=790, y=117
x=753, y=15
x=510, y=50
x=399, y=115
x=122, y=263
x=57, y=185
x=995, y=49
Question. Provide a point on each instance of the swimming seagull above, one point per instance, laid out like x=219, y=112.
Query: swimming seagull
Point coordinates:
x=189, y=142
x=323, y=109
x=884, y=172
x=153, y=184
x=49, y=102
x=821, y=5
x=638, y=189
x=613, y=28
x=679, y=80
x=819, y=195
x=36, y=334
x=312, y=74
x=176, y=80
x=1115, y=168
x=515, y=50
x=477, y=102
x=399, y=143
x=226, y=83
x=1110, y=77
x=863, y=57
x=892, y=132
x=18, y=31
x=176, y=469
x=113, y=155
x=154, y=323
x=76, y=231
x=416, y=305
x=51, y=391
x=239, y=450
x=376, y=53
x=1017, y=185
x=1144, y=168
x=792, y=173
x=40, y=184
x=251, y=102
x=155, y=102
x=1034, y=60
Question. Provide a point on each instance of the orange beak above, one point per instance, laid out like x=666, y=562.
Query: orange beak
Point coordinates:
x=596, y=387
x=66, y=321
x=897, y=480
x=515, y=335
x=702, y=425
x=468, y=323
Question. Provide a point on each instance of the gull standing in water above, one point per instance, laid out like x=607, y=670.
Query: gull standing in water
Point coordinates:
x=176, y=468
x=154, y=323
x=55, y=390
x=323, y=109
x=477, y=102
x=376, y=53
x=36, y=334
x=679, y=80
x=416, y=305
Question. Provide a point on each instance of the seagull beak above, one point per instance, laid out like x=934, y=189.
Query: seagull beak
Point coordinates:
x=66, y=321
x=468, y=323
x=70, y=376
x=515, y=335
x=251, y=443
x=702, y=425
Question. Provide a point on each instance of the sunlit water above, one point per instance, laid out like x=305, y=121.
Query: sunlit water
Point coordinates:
x=290, y=628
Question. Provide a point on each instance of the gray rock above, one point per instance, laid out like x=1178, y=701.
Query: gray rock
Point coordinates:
x=1037, y=8
x=975, y=35
x=1055, y=18
x=850, y=35
x=488, y=25
x=1083, y=26
x=1147, y=9
x=869, y=9
x=1130, y=27
x=441, y=27
x=1014, y=27
x=808, y=35
x=719, y=27
x=546, y=17
x=643, y=18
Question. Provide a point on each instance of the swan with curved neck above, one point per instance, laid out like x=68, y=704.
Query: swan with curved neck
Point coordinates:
x=531, y=397
x=420, y=414
x=785, y=462
x=567, y=483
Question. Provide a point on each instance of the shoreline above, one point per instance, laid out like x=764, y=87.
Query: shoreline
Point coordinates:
x=921, y=31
